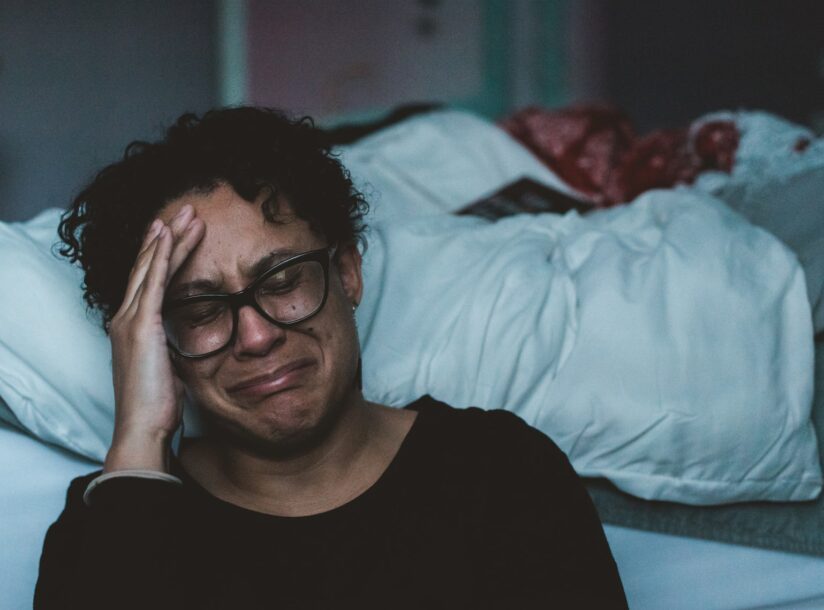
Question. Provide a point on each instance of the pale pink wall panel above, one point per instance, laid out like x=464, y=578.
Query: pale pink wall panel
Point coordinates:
x=327, y=57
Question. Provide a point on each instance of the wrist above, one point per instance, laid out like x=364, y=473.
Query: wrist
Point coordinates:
x=138, y=451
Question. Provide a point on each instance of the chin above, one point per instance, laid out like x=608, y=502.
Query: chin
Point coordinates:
x=284, y=425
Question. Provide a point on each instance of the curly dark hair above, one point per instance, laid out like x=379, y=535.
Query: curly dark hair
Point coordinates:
x=257, y=151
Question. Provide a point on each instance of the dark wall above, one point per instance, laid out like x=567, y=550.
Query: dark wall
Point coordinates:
x=668, y=62
x=80, y=79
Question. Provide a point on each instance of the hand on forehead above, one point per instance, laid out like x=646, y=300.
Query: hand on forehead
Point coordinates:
x=238, y=240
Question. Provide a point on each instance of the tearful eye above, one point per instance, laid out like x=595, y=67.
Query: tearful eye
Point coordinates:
x=200, y=314
x=282, y=282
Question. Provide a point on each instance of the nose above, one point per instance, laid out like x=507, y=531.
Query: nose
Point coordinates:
x=255, y=335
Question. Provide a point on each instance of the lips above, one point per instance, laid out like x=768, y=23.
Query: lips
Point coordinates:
x=283, y=378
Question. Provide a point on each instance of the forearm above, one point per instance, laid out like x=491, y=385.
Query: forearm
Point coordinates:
x=122, y=552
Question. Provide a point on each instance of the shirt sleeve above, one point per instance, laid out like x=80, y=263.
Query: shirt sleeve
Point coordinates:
x=547, y=547
x=120, y=552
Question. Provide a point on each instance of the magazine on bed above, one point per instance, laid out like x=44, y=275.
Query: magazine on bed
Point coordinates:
x=524, y=196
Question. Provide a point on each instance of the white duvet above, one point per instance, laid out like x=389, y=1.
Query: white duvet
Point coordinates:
x=665, y=345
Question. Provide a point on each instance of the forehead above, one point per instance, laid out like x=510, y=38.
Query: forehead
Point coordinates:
x=237, y=236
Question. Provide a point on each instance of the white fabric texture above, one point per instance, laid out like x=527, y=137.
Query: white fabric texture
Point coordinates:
x=778, y=185
x=55, y=359
x=662, y=571
x=438, y=162
x=34, y=478
x=665, y=345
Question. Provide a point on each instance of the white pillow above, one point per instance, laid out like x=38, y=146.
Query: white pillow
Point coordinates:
x=439, y=162
x=665, y=345
x=55, y=359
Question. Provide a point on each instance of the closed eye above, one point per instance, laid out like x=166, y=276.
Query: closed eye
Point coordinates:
x=199, y=314
x=282, y=282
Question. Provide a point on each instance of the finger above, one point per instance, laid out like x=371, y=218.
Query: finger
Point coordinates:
x=150, y=295
x=178, y=222
x=181, y=220
x=183, y=246
x=179, y=225
x=151, y=233
x=148, y=239
x=138, y=282
x=138, y=272
x=179, y=228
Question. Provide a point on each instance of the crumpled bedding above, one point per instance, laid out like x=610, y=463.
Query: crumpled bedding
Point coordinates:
x=766, y=168
x=595, y=150
x=777, y=183
x=665, y=345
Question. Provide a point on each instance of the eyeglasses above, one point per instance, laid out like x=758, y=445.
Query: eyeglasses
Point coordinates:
x=291, y=292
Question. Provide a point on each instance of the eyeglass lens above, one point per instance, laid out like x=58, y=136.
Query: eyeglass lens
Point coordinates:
x=286, y=295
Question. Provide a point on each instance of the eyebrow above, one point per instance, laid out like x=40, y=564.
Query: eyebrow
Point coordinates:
x=204, y=286
x=268, y=261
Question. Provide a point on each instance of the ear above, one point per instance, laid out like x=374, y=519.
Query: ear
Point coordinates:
x=348, y=260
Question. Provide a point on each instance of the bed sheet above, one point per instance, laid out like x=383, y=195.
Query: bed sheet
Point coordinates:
x=34, y=478
x=673, y=572
x=659, y=571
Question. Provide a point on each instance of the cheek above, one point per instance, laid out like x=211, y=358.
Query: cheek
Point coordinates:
x=195, y=373
x=335, y=332
x=344, y=337
x=341, y=326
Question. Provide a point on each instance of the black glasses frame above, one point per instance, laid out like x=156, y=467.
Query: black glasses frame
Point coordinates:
x=246, y=296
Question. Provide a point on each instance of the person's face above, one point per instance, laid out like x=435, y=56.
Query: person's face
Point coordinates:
x=273, y=390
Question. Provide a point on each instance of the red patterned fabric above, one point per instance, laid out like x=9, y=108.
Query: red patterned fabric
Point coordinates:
x=596, y=151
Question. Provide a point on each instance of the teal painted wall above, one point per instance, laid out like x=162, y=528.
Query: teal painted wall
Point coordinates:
x=542, y=58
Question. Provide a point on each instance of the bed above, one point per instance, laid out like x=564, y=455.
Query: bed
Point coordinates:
x=681, y=539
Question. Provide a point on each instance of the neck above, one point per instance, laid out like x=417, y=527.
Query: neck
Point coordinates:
x=348, y=460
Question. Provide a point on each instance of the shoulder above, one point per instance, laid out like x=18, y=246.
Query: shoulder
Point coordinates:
x=482, y=424
x=496, y=437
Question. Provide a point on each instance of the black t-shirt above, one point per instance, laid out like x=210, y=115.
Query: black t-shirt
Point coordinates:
x=476, y=510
